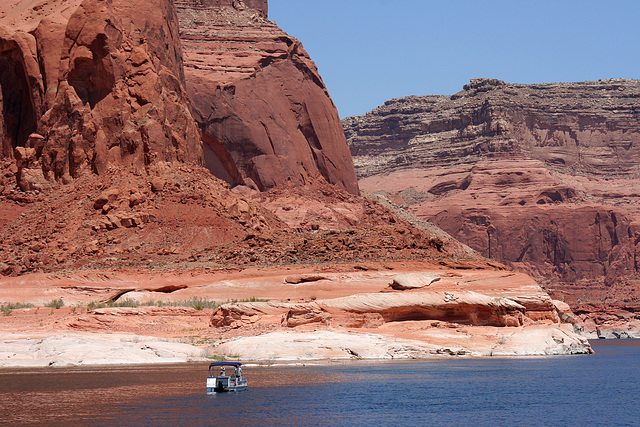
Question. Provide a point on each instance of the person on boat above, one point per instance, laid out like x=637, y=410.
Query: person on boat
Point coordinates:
x=222, y=372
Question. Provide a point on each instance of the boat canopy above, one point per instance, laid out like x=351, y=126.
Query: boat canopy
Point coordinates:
x=234, y=364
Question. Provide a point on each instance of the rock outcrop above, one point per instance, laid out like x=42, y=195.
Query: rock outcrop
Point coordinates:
x=541, y=177
x=588, y=127
x=293, y=312
x=92, y=84
x=331, y=345
x=480, y=314
x=88, y=84
x=101, y=156
x=404, y=282
x=88, y=349
x=265, y=114
x=466, y=307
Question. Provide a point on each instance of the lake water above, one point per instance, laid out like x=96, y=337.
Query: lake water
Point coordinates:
x=601, y=389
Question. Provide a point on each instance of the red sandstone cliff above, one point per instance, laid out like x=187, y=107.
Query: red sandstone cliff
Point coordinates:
x=89, y=84
x=542, y=177
x=92, y=84
x=265, y=114
x=102, y=160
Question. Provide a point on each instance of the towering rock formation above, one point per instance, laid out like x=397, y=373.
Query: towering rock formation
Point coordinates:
x=102, y=159
x=543, y=177
x=89, y=84
x=265, y=114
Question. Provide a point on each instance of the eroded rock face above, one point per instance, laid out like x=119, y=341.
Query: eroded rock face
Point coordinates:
x=266, y=116
x=372, y=310
x=588, y=127
x=512, y=316
x=87, y=84
x=109, y=91
x=541, y=177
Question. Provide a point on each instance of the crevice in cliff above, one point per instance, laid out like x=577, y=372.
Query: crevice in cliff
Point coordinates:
x=307, y=129
x=219, y=161
x=17, y=109
x=266, y=131
x=614, y=232
x=92, y=77
x=523, y=253
x=599, y=236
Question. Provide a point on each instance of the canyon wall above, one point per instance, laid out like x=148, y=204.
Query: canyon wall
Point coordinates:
x=543, y=177
x=588, y=127
x=102, y=158
x=93, y=84
x=265, y=114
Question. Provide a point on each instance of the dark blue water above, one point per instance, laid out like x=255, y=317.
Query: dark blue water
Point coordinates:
x=601, y=389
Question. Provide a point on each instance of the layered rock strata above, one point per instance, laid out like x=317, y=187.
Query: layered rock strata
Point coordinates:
x=449, y=318
x=375, y=309
x=265, y=114
x=296, y=313
x=541, y=177
x=588, y=127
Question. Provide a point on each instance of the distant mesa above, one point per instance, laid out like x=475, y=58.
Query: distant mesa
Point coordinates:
x=542, y=177
x=240, y=5
x=587, y=127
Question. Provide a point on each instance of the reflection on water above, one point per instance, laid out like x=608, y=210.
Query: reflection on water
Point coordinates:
x=57, y=395
x=570, y=390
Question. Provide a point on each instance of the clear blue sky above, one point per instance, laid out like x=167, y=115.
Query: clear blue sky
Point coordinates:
x=369, y=51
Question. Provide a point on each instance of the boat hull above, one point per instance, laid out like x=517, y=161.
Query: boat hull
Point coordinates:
x=224, y=385
x=226, y=390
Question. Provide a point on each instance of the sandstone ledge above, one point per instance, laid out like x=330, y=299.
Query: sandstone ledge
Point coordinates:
x=115, y=349
x=316, y=345
x=349, y=314
x=93, y=349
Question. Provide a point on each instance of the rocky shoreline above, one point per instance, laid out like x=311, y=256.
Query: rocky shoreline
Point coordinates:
x=275, y=315
x=289, y=346
x=93, y=349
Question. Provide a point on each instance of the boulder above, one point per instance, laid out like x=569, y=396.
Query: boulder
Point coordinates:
x=304, y=278
x=403, y=282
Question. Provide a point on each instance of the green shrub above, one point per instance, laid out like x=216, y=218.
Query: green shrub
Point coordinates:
x=198, y=303
x=252, y=299
x=56, y=303
x=125, y=302
x=195, y=302
x=8, y=308
x=93, y=305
